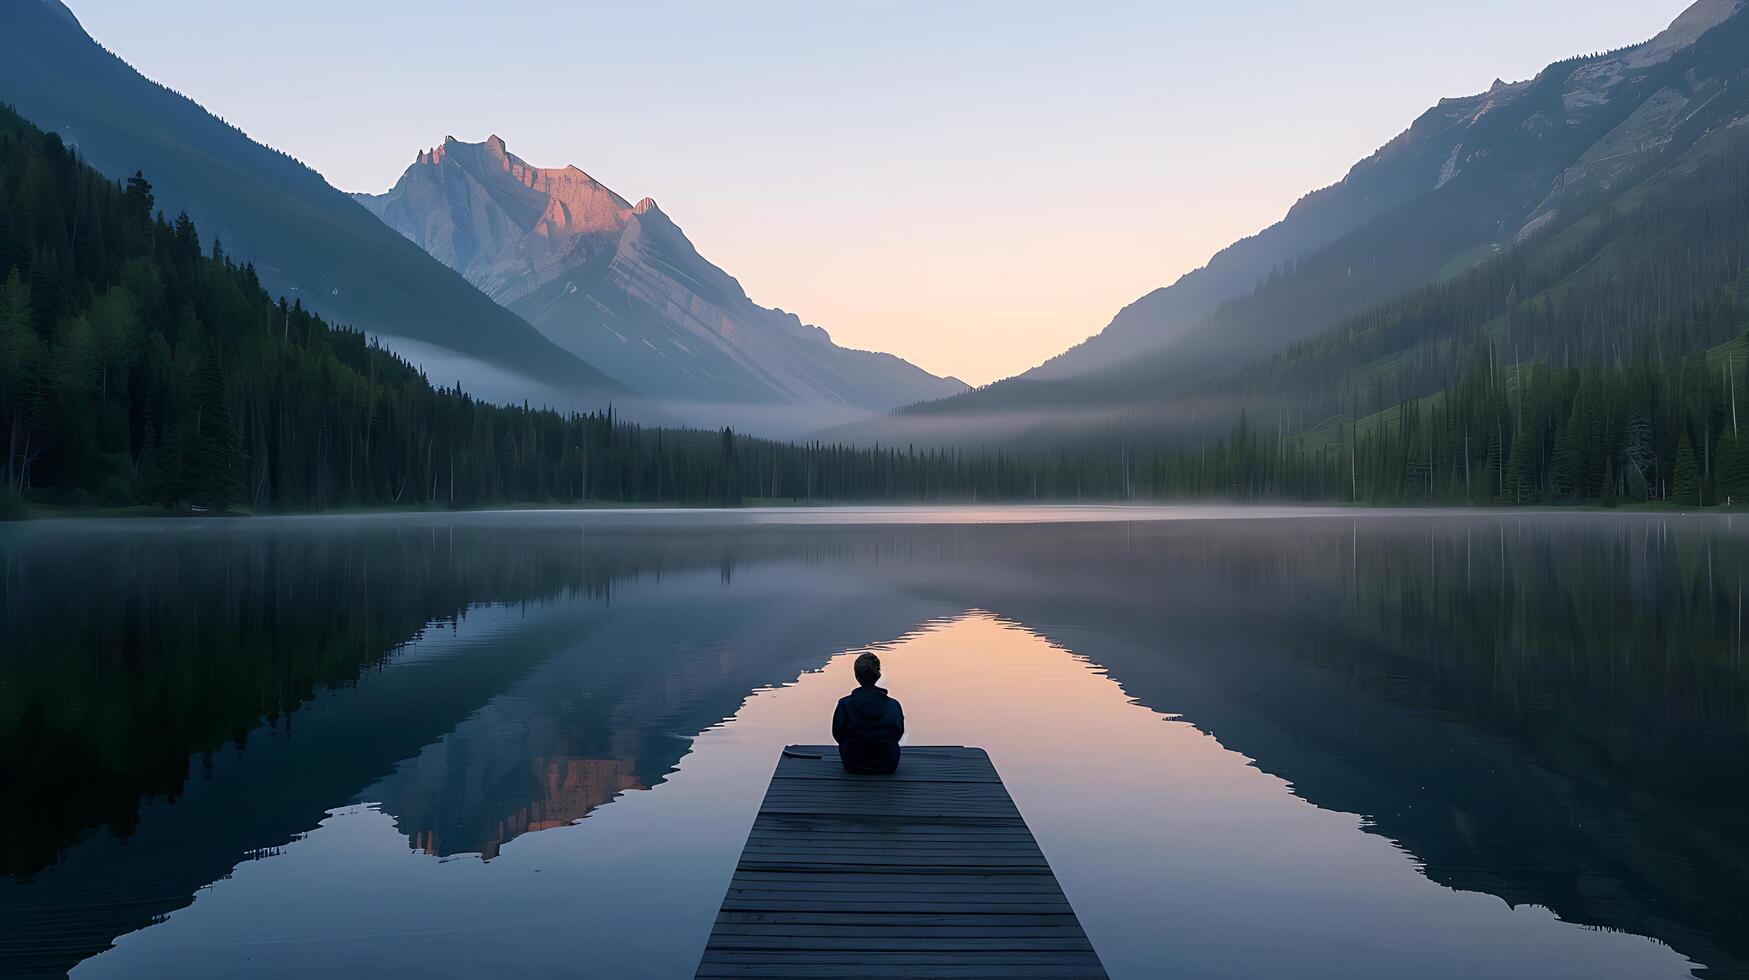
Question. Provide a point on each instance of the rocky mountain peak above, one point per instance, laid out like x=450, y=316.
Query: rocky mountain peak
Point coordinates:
x=1702, y=16
x=620, y=285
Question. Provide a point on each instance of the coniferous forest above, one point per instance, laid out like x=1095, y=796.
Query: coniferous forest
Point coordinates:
x=139, y=366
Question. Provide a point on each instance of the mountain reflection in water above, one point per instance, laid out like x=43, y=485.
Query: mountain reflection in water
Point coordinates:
x=213, y=725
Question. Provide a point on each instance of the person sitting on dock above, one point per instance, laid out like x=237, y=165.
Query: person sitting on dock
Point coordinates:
x=868, y=724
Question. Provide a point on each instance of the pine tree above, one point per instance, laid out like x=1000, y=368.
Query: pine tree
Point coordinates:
x=218, y=478
x=1685, y=481
x=1564, y=472
x=20, y=353
x=1731, y=471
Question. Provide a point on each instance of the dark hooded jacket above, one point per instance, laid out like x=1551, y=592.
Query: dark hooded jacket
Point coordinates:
x=867, y=727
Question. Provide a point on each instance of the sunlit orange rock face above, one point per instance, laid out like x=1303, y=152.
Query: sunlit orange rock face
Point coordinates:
x=621, y=286
x=576, y=786
x=507, y=226
x=568, y=789
x=573, y=788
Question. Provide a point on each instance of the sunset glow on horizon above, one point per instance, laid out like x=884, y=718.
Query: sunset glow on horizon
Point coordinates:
x=974, y=188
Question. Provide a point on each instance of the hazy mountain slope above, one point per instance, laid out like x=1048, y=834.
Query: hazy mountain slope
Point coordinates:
x=1567, y=145
x=1399, y=171
x=621, y=286
x=1454, y=136
x=1658, y=273
x=307, y=240
x=1492, y=171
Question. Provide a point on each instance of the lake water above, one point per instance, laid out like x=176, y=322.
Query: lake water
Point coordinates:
x=1250, y=742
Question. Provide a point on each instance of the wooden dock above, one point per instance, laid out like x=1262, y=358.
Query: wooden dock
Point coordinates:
x=928, y=872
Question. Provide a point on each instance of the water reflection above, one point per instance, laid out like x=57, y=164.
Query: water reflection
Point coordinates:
x=1545, y=710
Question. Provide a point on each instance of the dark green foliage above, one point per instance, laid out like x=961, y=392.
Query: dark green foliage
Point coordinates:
x=1567, y=368
x=1685, y=483
x=309, y=239
x=11, y=508
x=202, y=462
x=1662, y=265
x=1731, y=472
x=1383, y=312
x=1500, y=435
x=136, y=369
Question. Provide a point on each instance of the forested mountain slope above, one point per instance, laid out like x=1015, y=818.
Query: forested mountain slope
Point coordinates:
x=138, y=367
x=1472, y=178
x=1601, y=360
x=306, y=239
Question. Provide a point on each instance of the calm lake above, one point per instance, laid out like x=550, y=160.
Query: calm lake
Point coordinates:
x=1250, y=742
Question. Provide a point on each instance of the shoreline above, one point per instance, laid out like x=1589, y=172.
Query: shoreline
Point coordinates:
x=1062, y=511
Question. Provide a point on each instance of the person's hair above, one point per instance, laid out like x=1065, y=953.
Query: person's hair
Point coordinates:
x=868, y=669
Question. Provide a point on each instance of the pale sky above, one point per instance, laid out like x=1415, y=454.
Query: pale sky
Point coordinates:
x=974, y=186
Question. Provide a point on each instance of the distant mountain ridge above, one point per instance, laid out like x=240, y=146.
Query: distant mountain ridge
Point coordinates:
x=306, y=239
x=620, y=285
x=1441, y=144
x=1470, y=177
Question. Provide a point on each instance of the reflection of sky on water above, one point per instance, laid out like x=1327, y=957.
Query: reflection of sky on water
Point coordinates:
x=1177, y=853
x=1282, y=742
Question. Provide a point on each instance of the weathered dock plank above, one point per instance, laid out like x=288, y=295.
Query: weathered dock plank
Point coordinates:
x=929, y=872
